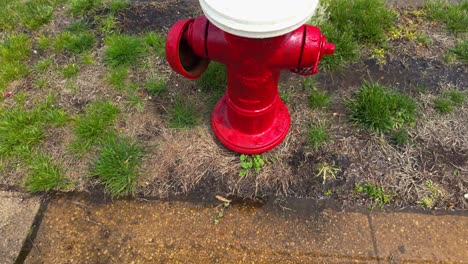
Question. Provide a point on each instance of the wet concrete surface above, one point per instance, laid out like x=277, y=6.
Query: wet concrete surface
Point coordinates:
x=78, y=230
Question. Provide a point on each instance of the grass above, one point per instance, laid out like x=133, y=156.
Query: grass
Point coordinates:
x=448, y=100
x=95, y=124
x=74, y=41
x=116, y=6
x=183, y=114
x=44, y=175
x=376, y=194
x=43, y=65
x=70, y=70
x=157, y=42
x=317, y=136
x=327, y=171
x=454, y=15
x=118, y=77
x=155, y=87
x=350, y=24
x=14, y=49
x=123, y=50
x=214, y=79
x=399, y=137
x=116, y=165
x=318, y=100
x=30, y=14
x=460, y=50
x=22, y=129
x=80, y=8
x=380, y=109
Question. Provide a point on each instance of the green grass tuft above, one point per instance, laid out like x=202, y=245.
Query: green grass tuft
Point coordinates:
x=214, y=79
x=44, y=175
x=399, y=137
x=449, y=100
x=155, y=87
x=157, y=42
x=22, y=129
x=70, y=70
x=74, y=42
x=454, y=15
x=318, y=100
x=317, y=137
x=84, y=7
x=35, y=13
x=183, y=114
x=123, y=50
x=380, y=109
x=116, y=166
x=94, y=124
x=118, y=77
x=116, y=6
x=13, y=50
x=461, y=51
x=349, y=24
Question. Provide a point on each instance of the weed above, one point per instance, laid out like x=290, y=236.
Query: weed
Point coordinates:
x=399, y=137
x=423, y=39
x=74, y=42
x=426, y=202
x=183, y=114
x=34, y=13
x=13, y=50
x=327, y=171
x=116, y=165
x=94, y=124
x=43, y=65
x=155, y=87
x=349, y=24
x=21, y=129
x=328, y=192
x=77, y=28
x=250, y=163
x=375, y=193
x=84, y=7
x=309, y=83
x=86, y=58
x=70, y=70
x=117, y=77
x=116, y=6
x=108, y=24
x=454, y=15
x=41, y=83
x=123, y=50
x=44, y=42
x=44, y=175
x=448, y=100
x=285, y=96
x=319, y=100
x=220, y=215
x=378, y=108
x=156, y=41
x=435, y=190
x=318, y=136
x=460, y=50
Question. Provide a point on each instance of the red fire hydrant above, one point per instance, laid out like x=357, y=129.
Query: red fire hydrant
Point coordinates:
x=250, y=118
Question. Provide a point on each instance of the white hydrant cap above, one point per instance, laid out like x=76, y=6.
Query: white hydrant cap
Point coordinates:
x=258, y=18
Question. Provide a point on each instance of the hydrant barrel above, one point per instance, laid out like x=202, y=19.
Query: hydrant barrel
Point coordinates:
x=250, y=118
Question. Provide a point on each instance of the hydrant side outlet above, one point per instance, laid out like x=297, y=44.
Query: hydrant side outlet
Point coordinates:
x=250, y=118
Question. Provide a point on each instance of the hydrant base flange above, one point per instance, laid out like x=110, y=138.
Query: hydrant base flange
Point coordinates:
x=244, y=143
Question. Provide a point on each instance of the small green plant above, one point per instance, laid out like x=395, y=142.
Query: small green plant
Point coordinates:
x=309, y=83
x=318, y=136
x=34, y=13
x=44, y=42
x=155, y=87
x=87, y=58
x=14, y=49
x=426, y=202
x=423, y=39
x=116, y=6
x=43, y=65
x=222, y=208
x=449, y=100
x=44, y=175
x=460, y=51
x=435, y=192
x=375, y=193
x=454, y=15
x=318, y=100
x=183, y=114
x=327, y=171
x=399, y=137
x=108, y=24
x=251, y=163
x=157, y=42
x=84, y=7
x=94, y=124
x=70, y=70
x=22, y=129
x=123, y=50
x=74, y=42
x=380, y=109
x=117, y=77
x=117, y=165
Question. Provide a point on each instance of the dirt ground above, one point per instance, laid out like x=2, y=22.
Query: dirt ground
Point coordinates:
x=193, y=162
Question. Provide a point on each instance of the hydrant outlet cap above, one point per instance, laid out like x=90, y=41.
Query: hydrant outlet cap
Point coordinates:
x=258, y=18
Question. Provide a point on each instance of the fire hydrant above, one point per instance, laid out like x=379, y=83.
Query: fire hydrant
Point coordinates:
x=250, y=118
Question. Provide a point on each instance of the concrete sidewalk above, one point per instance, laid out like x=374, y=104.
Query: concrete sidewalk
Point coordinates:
x=78, y=230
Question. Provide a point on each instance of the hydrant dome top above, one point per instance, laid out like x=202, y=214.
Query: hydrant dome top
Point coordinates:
x=258, y=18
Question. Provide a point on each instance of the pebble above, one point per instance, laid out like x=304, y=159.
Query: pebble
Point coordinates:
x=466, y=196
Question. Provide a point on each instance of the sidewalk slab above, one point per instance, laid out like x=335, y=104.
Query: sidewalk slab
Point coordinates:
x=17, y=213
x=411, y=237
